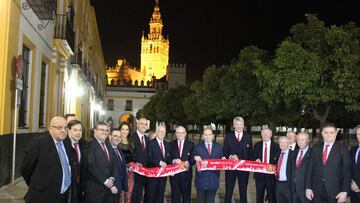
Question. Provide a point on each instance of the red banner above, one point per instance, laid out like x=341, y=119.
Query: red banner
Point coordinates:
x=204, y=165
x=157, y=171
x=240, y=165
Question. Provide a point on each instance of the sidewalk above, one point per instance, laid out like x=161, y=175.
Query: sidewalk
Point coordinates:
x=13, y=193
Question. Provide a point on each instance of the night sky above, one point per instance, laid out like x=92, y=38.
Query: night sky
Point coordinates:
x=207, y=32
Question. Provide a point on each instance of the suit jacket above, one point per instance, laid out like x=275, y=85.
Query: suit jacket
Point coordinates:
x=298, y=174
x=139, y=153
x=188, y=148
x=207, y=180
x=99, y=169
x=242, y=149
x=355, y=168
x=336, y=174
x=154, y=155
x=42, y=170
x=258, y=154
x=121, y=176
x=78, y=182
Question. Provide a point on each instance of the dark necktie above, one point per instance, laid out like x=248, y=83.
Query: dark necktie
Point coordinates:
x=209, y=149
x=324, y=155
x=277, y=173
x=118, y=153
x=162, y=149
x=142, y=143
x=106, y=154
x=179, y=147
x=265, y=154
x=298, y=162
x=76, y=147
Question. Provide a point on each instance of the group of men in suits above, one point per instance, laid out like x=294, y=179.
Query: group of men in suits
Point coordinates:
x=60, y=167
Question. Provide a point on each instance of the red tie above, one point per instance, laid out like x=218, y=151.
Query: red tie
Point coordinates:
x=179, y=147
x=209, y=149
x=162, y=149
x=238, y=137
x=142, y=143
x=106, y=154
x=298, y=162
x=279, y=165
x=265, y=154
x=77, y=151
x=325, y=154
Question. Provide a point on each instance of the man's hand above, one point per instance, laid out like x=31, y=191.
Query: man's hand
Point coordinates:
x=163, y=164
x=234, y=157
x=109, y=183
x=197, y=158
x=187, y=164
x=223, y=158
x=114, y=190
x=176, y=161
x=258, y=160
x=341, y=197
x=354, y=186
x=309, y=194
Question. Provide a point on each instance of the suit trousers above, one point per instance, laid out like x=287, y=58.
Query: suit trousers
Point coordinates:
x=230, y=179
x=181, y=188
x=323, y=196
x=283, y=192
x=265, y=182
x=139, y=184
x=205, y=196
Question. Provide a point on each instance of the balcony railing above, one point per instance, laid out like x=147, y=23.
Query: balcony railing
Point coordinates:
x=64, y=30
x=43, y=9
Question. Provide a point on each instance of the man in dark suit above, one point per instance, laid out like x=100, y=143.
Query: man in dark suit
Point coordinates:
x=140, y=144
x=100, y=174
x=157, y=155
x=181, y=151
x=207, y=182
x=120, y=168
x=328, y=176
x=292, y=140
x=299, y=166
x=74, y=140
x=355, y=169
x=265, y=151
x=283, y=172
x=237, y=145
x=47, y=167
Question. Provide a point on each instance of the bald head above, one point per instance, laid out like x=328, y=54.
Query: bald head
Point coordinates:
x=180, y=133
x=58, y=128
x=142, y=125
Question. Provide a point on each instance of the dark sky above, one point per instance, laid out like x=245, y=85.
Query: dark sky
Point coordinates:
x=206, y=32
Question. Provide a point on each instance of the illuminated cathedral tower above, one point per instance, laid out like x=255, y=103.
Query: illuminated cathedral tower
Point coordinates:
x=154, y=48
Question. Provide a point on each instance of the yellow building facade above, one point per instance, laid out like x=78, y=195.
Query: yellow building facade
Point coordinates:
x=57, y=45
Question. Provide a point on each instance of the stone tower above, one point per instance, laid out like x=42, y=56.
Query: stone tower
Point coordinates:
x=154, y=48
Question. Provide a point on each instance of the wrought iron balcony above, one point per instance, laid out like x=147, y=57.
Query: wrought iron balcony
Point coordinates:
x=64, y=30
x=43, y=9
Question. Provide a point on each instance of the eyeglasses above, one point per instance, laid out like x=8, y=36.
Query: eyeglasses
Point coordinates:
x=60, y=127
x=103, y=130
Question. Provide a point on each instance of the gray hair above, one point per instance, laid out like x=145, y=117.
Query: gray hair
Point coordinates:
x=283, y=138
x=304, y=133
x=266, y=128
x=290, y=132
x=357, y=127
x=238, y=119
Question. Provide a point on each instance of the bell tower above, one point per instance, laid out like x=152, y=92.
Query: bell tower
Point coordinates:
x=154, y=48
